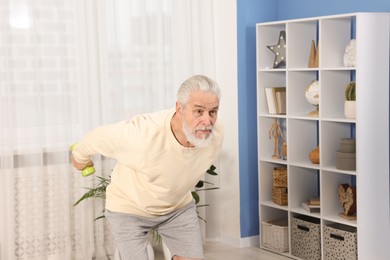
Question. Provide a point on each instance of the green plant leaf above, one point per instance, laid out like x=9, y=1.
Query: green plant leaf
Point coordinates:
x=99, y=191
x=156, y=236
x=350, y=91
x=211, y=188
x=207, y=182
x=201, y=218
x=92, y=193
x=211, y=170
x=100, y=217
x=200, y=184
x=195, y=196
x=203, y=205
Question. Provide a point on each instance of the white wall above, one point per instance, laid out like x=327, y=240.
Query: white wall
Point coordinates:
x=226, y=76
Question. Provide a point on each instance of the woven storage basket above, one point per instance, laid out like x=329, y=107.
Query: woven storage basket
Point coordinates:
x=274, y=235
x=279, y=196
x=280, y=176
x=306, y=237
x=340, y=242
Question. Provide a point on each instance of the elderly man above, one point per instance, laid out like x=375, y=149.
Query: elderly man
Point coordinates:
x=160, y=158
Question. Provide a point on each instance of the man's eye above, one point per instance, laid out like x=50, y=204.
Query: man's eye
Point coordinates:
x=213, y=113
x=198, y=112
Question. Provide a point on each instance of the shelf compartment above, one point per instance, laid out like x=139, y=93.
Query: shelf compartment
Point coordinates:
x=299, y=39
x=268, y=79
x=269, y=35
x=302, y=139
x=331, y=206
x=297, y=82
x=332, y=93
x=303, y=185
x=335, y=34
x=331, y=134
x=267, y=144
x=270, y=213
x=266, y=182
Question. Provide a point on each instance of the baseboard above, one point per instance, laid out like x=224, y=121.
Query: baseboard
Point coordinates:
x=250, y=241
x=241, y=242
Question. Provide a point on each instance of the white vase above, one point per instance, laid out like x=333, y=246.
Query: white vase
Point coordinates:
x=350, y=109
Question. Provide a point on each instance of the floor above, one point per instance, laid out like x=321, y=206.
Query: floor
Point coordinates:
x=219, y=251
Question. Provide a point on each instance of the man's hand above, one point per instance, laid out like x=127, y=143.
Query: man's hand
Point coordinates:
x=80, y=166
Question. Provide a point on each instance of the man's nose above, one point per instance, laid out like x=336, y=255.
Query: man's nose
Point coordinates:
x=207, y=119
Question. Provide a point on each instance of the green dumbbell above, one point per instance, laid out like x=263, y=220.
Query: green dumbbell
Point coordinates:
x=87, y=170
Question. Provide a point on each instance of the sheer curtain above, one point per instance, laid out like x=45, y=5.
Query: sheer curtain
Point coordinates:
x=67, y=66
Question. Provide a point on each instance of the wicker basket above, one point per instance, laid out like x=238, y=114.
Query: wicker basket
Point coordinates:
x=279, y=196
x=275, y=235
x=280, y=176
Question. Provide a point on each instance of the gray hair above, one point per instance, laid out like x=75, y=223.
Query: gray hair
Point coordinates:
x=197, y=83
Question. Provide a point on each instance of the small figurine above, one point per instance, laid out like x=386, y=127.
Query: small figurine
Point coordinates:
x=347, y=197
x=275, y=131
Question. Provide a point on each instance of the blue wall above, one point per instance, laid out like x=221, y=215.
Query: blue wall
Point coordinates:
x=250, y=12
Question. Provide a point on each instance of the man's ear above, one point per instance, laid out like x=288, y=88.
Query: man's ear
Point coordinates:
x=179, y=109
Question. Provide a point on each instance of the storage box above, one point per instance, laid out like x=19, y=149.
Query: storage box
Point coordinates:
x=340, y=242
x=279, y=196
x=274, y=235
x=348, y=145
x=345, y=161
x=306, y=237
x=280, y=176
x=346, y=156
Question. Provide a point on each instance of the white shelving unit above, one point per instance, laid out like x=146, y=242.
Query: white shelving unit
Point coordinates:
x=303, y=133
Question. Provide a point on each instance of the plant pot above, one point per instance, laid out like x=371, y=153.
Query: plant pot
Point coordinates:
x=350, y=109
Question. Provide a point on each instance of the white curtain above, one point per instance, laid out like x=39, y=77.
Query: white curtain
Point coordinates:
x=67, y=66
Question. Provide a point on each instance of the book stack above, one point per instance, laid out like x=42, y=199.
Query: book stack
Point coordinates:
x=276, y=100
x=312, y=205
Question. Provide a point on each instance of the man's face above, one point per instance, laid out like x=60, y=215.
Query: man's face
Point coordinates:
x=199, y=116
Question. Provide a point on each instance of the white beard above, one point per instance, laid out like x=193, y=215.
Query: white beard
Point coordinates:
x=197, y=142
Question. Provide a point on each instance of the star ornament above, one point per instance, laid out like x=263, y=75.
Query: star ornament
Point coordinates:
x=280, y=51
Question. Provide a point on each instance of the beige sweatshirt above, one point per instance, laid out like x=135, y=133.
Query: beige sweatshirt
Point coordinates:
x=154, y=174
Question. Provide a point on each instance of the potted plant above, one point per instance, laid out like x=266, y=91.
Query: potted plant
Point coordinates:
x=350, y=100
x=99, y=192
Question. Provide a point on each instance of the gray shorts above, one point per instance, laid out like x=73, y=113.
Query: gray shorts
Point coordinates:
x=179, y=230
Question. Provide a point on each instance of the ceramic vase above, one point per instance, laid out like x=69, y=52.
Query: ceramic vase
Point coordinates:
x=350, y=109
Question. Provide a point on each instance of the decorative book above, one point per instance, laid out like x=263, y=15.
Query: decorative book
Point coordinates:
x=276, y=100
x=312, y=205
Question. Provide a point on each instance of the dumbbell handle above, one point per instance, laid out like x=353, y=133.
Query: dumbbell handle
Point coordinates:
x=87, y=170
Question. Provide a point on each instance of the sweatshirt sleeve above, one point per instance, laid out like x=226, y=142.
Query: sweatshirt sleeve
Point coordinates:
x=113, y=141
